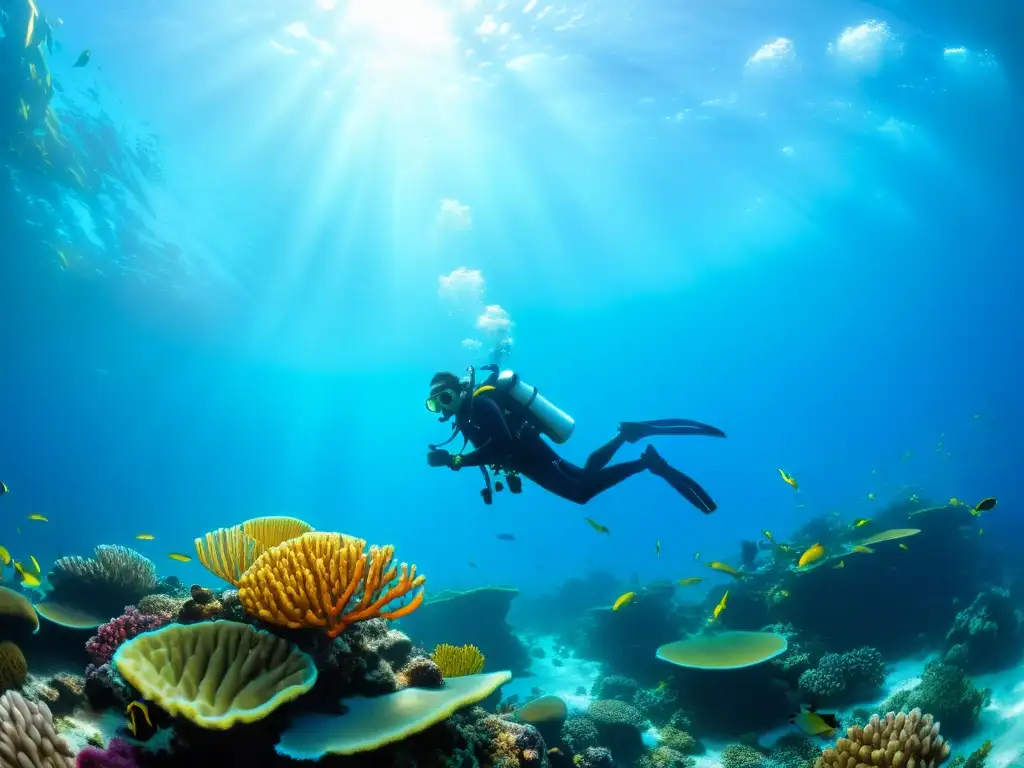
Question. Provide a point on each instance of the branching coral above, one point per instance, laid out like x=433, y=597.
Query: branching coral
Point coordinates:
x=109, y=636
x=230, y=552
x=115, y=575
x=848, y=674
x=27, y=735
x=579, y=732
x=910, y=740
x=328, y=580
x=455, y=661
x=741, y=756
x=947, y=693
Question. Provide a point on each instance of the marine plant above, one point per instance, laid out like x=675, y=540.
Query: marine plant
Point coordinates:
x=905, y=739
x=328, y=580
x=455, y=661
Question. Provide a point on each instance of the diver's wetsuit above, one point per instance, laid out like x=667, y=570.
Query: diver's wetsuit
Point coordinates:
x=528, y=454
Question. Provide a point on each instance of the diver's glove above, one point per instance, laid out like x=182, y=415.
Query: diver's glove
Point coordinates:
x=439, y=458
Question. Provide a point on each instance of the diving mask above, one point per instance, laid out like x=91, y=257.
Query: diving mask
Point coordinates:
x=446, y=400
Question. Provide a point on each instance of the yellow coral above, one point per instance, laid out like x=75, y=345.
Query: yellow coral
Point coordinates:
x=910, y=740
x=230, y=552
x=217, y=673
x=327, y=580
x=458, y=660
x=271, y=531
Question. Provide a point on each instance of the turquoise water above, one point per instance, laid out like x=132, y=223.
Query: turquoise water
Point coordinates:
x=795, y=223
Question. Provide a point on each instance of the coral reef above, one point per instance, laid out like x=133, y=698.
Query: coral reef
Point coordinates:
x=202, y=605
x=911, y=740
x=987, y=635
x=215, y=674
x=679, y=740
x=477, y=617
x=664, y=757
x=110, y=636
x=579, y=733
x=13, y=667
x=595, y=757
x=841, y=677
x=118, y=754
x=619, y=727
x=114, y=577
x=741, y=756
x=947, y=693
x=158, y=603
x=328, y=580
x=421, y=672
x=618, y=687
x=656, y=704
x=27, y=735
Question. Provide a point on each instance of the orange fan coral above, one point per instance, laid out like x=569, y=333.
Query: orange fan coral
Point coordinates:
x=328, y=580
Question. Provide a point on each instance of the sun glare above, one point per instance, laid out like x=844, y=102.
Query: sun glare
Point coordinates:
x=412, y=26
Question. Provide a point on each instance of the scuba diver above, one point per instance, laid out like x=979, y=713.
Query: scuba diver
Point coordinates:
x=505, y=419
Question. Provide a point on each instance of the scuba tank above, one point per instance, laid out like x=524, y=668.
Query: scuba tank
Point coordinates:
x=552, y=420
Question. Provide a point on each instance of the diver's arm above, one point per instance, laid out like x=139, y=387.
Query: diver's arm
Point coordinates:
x=491, y=421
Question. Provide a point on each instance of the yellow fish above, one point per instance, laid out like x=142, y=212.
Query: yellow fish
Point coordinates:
x=715, y=565
x=35, y=565
x=981, y=531
x=860, y=522
x=5, y=556
x=782, y=592
x=23, y=109
x=815, y=723
x=145, y=537
x=132, y=712
x=180, y=557
x=719, y=608
x=624, y=599
x=955, y=502
x=662, y=685
x=786, y=547
x=812, y=555
x=768, y=535
x=789, y=480
x=31, y=24
x=40, y=518
x=657, y=548
x=903, y=546
x=984, y=506
x=841, y=564
x=4, y=489
x=597, y=526
x=862, y=548
x=690, y=581
x=28, y=579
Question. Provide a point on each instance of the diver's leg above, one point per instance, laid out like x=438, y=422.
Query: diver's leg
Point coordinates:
x=600, y=458
x=578, y=484
x=684, y=485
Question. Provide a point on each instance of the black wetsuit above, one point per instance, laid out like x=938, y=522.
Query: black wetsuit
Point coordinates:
x=526, y=452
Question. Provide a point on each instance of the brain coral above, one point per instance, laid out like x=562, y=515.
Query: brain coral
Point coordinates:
x=13, y=667
x=215, y=674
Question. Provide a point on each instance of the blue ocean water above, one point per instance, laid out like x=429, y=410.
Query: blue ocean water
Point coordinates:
x=794, y=221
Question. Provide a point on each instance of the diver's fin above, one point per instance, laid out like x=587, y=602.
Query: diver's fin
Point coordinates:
x=632, y=431
x=685, y=486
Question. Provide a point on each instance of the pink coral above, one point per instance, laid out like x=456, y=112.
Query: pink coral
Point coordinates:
x=109, y=636
x=119, y=754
